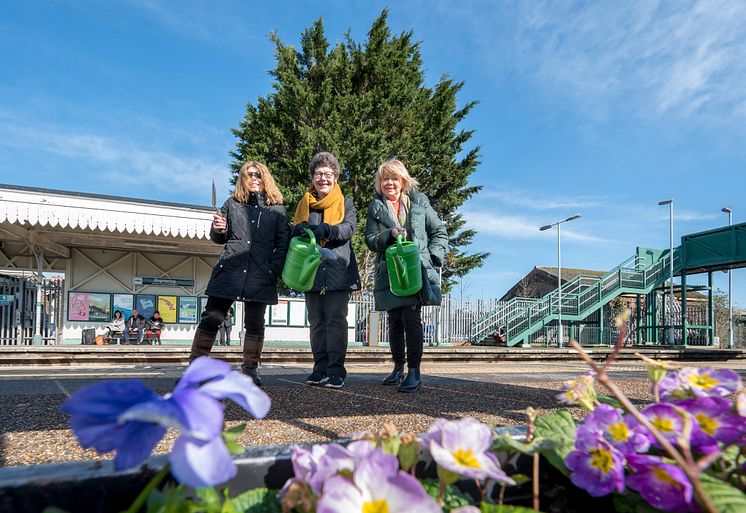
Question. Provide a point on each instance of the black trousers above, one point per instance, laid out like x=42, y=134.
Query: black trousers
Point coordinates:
x=405, y=330
x=327, y=314
x=217, y=308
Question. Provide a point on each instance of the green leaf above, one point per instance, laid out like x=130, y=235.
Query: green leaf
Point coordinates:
x=231, y=435
x=172, y=500
x=538, y=445
x=559, y=427
x=258, y=500
x=727, y=498
x=520, y=479
x=453, y=498
x=503, y=508
x=607, y=399
x=631, y=502
x=52, y=509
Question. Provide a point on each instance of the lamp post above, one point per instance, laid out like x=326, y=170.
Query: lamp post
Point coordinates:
x=559, y=271
x=669, y=202
x=729, y=211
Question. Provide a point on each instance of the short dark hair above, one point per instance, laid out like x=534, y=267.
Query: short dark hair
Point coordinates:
x=324, y=158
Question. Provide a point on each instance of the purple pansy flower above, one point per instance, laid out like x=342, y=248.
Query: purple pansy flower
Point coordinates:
x=714, y=422
x=462, y=447
x=129, y=418
x=666, y=419
x=621, y=432
x=694, y=382
x=597, y=466
x=376, y=486
x=663, y=485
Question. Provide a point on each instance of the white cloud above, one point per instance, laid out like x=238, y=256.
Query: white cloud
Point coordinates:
x=653, y=59
x=536, y=200
x=516, y=227
x=119, y=161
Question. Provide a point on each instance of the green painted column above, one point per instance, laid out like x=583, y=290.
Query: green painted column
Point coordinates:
x=637, y=320
x=684, y=331
x=710, y=311
x=601, y=325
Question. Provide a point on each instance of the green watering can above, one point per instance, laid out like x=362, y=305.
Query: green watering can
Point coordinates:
x=302, y=262
x=403, y=264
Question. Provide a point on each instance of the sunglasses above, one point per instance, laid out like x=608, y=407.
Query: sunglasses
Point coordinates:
x=255, y=175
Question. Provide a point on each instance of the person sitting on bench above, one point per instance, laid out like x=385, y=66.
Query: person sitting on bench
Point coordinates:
x=153, y=328
x=116, y=326
x=134, y=326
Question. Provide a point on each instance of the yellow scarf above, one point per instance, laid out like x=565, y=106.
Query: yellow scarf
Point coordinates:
x=333, y=206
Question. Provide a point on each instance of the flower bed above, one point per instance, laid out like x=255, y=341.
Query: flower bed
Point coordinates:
x=684, y=452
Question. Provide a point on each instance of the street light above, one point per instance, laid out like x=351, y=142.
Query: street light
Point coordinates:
x=669, y=202
x=729, y=211
x=559, y=271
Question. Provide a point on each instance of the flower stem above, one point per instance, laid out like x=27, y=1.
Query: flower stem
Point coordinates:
x=152, y=485
x=691, y=471
x=536, y=482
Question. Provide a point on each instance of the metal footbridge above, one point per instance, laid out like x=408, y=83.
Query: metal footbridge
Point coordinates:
x=642, y=274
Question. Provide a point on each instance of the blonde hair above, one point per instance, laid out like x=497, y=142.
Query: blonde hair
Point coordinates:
x=396, y=168
x=272, y=194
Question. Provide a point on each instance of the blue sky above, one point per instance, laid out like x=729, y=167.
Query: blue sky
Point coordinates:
x=599, y=108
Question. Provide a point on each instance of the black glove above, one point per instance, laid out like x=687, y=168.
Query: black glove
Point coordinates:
x=298, y=230
x=321, y=231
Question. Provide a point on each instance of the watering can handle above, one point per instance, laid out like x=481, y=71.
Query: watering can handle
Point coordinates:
x=309, y=267
x=310, y=235
x=401, y=271
x=399, y=240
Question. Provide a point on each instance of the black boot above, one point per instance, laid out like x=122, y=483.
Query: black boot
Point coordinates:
x=412, y=382
x=396, y=376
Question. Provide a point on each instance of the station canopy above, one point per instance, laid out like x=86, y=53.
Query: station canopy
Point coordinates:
x=59, y=221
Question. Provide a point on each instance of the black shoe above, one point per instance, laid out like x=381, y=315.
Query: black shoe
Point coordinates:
x=335, y=382
x=317, y=379
x=412, y=382
x=254, y=375
x=396, y=376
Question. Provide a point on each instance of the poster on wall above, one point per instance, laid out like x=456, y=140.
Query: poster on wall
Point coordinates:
x=77, y=306
x=280, y=313
x=187, y=310
x=145, y=304
x=124, y=303
x=167, y=308
x=99, y=307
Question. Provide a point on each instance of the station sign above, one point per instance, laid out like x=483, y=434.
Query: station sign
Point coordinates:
x=164, y=282
x=6, y=299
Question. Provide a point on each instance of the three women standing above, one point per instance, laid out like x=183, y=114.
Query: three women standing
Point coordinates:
x=324, y=210
x=253, y=227
x=399, y=208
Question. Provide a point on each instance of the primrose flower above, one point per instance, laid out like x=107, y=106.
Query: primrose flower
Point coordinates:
x=666, y=419
x=462, y=447
x=714, y=422
x=377, y=486
x=129, y=418
x=621, y=432
x=597, y=466
x=693, y=382
x=663, y=485
x=579, y=391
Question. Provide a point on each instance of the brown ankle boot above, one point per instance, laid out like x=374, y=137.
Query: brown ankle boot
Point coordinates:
x=252, y=353
x=202, y=344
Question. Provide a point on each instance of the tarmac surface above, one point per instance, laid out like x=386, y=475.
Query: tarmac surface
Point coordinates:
x=33, y=430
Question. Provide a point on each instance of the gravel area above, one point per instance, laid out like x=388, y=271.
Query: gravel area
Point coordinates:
x=33, y=430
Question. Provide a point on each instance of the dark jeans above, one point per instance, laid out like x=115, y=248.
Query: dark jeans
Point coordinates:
x=217, y=307
x=405, y=330
x=127, y=335
x=327, y=315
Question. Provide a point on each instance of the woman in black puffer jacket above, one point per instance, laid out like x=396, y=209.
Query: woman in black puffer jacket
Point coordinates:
x=253, y=226
x=332, y=218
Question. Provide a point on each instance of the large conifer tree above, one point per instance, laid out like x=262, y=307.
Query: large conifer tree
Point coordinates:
x=364, y=103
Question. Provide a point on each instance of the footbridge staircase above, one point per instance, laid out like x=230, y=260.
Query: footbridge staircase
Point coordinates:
x=709, y=251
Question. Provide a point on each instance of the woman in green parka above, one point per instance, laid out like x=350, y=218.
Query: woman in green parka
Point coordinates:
x=398, y=207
